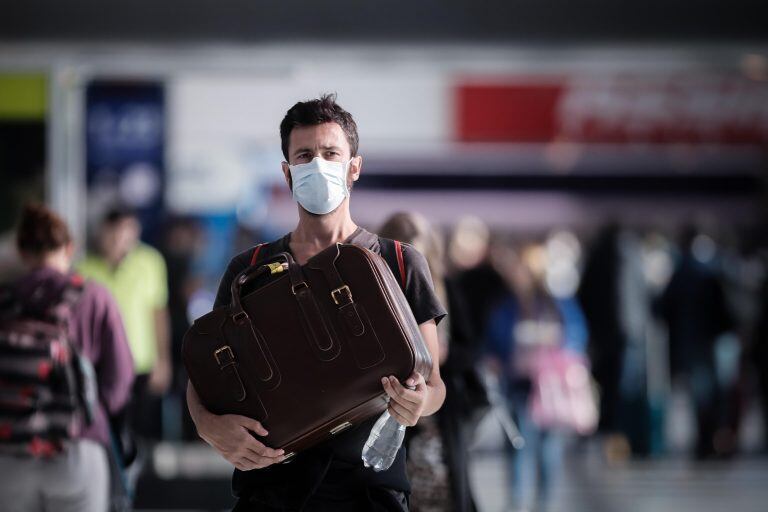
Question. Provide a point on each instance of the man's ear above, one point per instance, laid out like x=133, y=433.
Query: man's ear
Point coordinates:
x=287, y=174
x=355, y=166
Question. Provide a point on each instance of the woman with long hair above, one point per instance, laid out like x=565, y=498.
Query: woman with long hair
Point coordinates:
x=437, y=458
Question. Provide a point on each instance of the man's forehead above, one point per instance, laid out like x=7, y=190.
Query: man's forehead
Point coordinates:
x=326, y=134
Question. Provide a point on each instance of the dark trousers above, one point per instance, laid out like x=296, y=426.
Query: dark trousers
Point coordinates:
x=368, y=499
x=145, y=411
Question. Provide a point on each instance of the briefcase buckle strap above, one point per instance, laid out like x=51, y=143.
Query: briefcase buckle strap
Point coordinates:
x=335, y=294
x=302, y=284
x=224, y=356
x=239, y=317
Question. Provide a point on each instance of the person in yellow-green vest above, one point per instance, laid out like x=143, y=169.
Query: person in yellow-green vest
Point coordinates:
x=135, y=274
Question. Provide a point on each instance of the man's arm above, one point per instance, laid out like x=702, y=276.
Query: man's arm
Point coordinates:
x=407, y=405
x=230, y=435
x=114, y=368
x=160, y=378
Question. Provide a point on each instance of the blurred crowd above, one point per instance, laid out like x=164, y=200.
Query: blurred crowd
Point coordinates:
x=558, y=335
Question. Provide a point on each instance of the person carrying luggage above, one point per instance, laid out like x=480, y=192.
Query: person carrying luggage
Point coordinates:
x=320, y=145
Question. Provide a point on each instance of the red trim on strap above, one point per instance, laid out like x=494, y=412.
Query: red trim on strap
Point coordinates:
x=400, y=262
x=256, y=254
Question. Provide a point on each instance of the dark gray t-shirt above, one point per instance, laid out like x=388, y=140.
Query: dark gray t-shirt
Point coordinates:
x=335, y=465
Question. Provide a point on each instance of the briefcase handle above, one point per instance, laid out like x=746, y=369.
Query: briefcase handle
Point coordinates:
x=295, y=275
x=317, y=330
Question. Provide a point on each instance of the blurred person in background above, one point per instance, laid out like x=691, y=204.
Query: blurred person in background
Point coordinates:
x=182, y=241
x=41, y=467
x=743, y=272
x=469, y=257
x=523, y=328
x=136, y=275
x=695, y=310
x=617, y=305
x=437, y=456
x=760, y=357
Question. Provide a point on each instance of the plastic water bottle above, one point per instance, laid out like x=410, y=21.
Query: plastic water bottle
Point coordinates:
x=385, y=439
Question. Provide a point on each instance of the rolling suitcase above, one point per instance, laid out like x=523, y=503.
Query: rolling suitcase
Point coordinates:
x=302, y=349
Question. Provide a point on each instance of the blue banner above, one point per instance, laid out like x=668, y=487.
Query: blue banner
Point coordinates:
x=125, y=146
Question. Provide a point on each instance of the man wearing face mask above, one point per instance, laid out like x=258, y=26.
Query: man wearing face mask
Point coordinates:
x=319, y=141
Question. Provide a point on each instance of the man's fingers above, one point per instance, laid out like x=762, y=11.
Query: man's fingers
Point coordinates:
x=396, y=391
x=246, y=463
x=395, y=398
x=403, y=413
x=253, y=425
x=414, y=380
x=398, y=417
x=252, y=460
x=266, y=451
x=260, y=449
x=262, y=462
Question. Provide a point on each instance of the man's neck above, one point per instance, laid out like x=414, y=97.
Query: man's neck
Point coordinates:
x=114, y=263
x=321, y=231
x=56, y=261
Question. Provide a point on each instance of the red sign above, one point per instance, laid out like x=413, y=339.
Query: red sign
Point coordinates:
x=615, y=109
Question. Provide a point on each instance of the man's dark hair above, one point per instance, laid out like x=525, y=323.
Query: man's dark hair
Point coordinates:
x=117, y=214
x=314, y=112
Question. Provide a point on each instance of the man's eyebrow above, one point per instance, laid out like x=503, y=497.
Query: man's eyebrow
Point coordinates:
x=300, y=150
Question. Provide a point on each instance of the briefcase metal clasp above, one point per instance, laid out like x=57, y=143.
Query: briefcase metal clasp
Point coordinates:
x=340, y=428
x=277, y=267
x=339, y=290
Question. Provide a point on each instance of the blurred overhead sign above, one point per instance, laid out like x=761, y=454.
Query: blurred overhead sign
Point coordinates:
x=125, y=146
x=621, y=108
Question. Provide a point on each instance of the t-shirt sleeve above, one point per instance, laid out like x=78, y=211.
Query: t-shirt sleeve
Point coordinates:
x=159, y=292
x=114, y=367
x=236, y=265
x=419, y=288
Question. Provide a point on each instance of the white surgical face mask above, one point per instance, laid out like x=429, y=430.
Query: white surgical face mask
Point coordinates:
x=320, y=185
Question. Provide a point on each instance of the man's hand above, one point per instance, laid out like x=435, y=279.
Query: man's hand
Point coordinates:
x=407, y=405
x=230, y=435
x=162, y=373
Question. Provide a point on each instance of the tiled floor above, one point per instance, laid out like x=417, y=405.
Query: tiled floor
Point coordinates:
x=588, y=485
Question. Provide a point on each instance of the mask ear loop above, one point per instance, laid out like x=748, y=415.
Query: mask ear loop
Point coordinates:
x=346, y=175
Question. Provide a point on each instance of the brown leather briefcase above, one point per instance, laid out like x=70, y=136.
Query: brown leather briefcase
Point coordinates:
x=303, y=351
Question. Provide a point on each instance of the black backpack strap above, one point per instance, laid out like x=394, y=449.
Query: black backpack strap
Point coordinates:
x=392, y=252
x=73, y=291
x=255, y=253
x=264, y=251
x=62, y=307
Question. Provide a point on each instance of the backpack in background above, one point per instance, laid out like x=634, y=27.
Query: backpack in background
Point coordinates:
x=47, y=390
